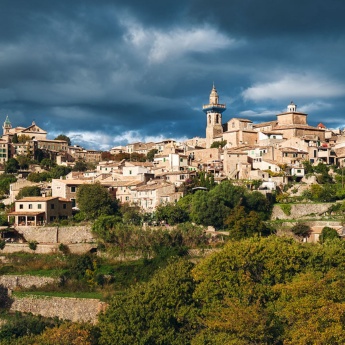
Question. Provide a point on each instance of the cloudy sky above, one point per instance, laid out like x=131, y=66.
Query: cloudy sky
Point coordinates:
x=110, y=72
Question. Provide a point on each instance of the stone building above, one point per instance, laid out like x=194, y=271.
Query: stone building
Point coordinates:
x=34, y=211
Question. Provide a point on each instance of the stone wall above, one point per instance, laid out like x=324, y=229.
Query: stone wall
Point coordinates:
x=57, y=234
x=25, y=281
x=75, y=248
x=298, y=211
x=74, y=309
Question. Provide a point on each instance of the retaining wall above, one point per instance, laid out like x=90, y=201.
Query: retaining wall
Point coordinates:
x=75, y=248
x=25, y=281
x=73, y=309
x=300, y=211
x=57, y=234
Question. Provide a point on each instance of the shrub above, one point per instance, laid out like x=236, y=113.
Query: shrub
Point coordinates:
x=328, y=233
x=33, y=245
x=2, y=244
x=286, y=208
x=63, y=248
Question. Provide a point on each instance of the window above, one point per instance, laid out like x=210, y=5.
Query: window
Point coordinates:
x=21, y=206
x=52, y=206
x=130, y=172
x=269, y=167
x=73, y=189
x=298, y=170
x=30, y=206
x=64, y=206
x=127, y=198
x=39, y=206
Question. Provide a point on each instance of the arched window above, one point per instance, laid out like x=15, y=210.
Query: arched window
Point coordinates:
x=209, y=118
x=217, y=118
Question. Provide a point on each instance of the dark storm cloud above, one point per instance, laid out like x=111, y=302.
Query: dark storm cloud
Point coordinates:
x=140, y=70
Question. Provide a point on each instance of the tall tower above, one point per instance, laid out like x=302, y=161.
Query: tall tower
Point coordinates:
x=213, y=112
x=6, y=126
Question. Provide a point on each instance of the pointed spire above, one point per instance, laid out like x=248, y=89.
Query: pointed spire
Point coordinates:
x=7, y=121
x=214, y=95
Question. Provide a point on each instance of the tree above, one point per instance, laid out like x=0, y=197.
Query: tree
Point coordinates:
x=301, y=230
x=23, y=162
x=171, y=214
x=65, y=138
x=66, y=334
x=104, y=227
x=23, y=138
x=58, y=171
x=80, y=166
x=47, y=163
x=11, y=166
x=161, y=311
x=151, y=154
x=15, y=138
x=131, y=214
x=328, y=233
x=39, y=177
x=5, y=181
x=29, y=191
x=242, y=225
x=107, y=156
x=94, y=200
x=217, y=144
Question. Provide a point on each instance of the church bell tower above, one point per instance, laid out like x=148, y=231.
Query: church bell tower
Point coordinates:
x=213, y=112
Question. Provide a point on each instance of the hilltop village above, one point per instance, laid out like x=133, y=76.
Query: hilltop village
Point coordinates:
x=235, y=238
x=150, y=174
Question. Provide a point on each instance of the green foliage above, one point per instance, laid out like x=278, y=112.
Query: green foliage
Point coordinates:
x=46, y=163
x=151, y=154
x=22, y=325
x=11, y=166
x=321, y=193
x=242, y=225
x=94, y=200
x=15, y=138
x=29, y=191
x=239, y=288
x=64, y=137
x=131, y=214
x=23, y=138
x=161, y=311
x=79, y=217
x=63, y=248
x=23, y=162
x=308, y=168
x=171, y=214
x=3, y=220
x=301, y=230
x=105, y=227
x=328, y=233
x=201, y=179
x=217, y=144
x=59, y=171
x=33, y=245
x=286, y=208
x=5, y=181
x=39, y=177
x=213, y=207
x=80, y=166
x=2, y=244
